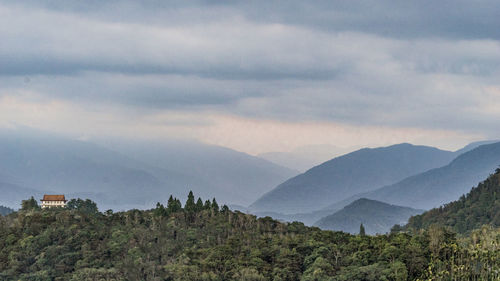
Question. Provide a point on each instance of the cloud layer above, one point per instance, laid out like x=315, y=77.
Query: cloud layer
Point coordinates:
x=201, y=66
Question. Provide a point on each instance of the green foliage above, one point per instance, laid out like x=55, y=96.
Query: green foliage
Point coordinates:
x=210, y=244
x=173, y=205
x=86, y=206
x=30, y=204
x=479, y=207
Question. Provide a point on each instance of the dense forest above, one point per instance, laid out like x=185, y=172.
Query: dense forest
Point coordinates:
x=480, y=206
x=201, y=241
x=5, y=211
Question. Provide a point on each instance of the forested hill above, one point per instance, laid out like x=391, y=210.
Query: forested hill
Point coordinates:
x=480, y=206
x=201, y=241
x=5, y=211
x=376, y=216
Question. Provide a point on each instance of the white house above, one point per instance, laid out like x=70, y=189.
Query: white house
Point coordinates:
x=50, y=201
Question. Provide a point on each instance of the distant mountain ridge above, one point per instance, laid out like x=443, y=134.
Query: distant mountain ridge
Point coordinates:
x=35, y=162
x=437, y=186
x=479, y=207
x=376, y=217
x=5, y=211
x=347, y=175
x=474, y=145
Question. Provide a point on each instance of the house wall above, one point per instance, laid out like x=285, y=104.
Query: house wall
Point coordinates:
x=50, y=204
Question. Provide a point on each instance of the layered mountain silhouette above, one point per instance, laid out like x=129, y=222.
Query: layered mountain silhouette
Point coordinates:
x=376, y=217
x=35, y=162
x=437, y=186
x=342, y=177
x=479, y=207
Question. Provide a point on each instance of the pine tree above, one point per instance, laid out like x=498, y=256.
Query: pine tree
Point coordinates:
x=29, y=204
x=215, y=206
x=190, y=206
x=362, y=230
x=208, y=205
x=173, y=205
x=160, y=210
x=199, y=205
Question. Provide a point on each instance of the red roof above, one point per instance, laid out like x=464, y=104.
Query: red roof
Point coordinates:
x=53, y=198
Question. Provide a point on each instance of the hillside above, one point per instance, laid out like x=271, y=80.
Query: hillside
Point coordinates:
x=376, y=217
x=344, y=176
x=41, y=161
x=480, y=206
x=437, y=186
x=204, y=242
x=5, y=211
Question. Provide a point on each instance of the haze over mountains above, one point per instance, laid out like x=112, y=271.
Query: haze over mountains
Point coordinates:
x=122, y=174
x=34, y=162
x=376, y=217
x=305, y=157
x=350, y=174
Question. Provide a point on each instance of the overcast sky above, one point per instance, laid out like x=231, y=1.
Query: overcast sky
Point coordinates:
x=255, y=76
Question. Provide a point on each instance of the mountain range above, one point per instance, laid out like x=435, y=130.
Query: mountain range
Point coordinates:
x=438, y=186
x=342, y=177
x=376, y=217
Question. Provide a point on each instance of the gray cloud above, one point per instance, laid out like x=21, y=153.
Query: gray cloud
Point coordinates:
x=421, y=64
x=404, y=19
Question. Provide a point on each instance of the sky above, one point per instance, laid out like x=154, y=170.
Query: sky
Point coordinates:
x=255, y=76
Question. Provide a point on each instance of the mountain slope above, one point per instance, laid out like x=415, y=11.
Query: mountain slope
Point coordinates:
x=376, y=217
x=344, y=176
x=480, y=206
x=438, y=186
